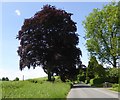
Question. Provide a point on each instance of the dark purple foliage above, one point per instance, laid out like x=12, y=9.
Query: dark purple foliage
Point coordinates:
x=49, y=39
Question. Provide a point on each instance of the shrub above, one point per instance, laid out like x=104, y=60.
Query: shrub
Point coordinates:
x=91, y=82
x=115, y=85
x=82, y=78
x=3, y=79
x=112, y=79
x=97, y=81
x=33, y=81
x=36, y=81
x=113, y=75
x=7, y=79
x=16, y=79
x=87, y=80
x=41, y=82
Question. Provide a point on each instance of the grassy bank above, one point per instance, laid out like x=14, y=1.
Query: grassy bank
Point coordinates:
x=35, y=88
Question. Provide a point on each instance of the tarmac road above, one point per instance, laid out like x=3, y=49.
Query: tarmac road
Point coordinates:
x=86, y=91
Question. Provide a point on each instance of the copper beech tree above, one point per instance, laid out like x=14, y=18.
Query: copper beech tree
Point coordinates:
x=49, y=39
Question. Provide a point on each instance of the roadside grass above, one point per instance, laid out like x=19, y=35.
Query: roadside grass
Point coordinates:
x=115, y=87
x=0, y=90
x=35, y=88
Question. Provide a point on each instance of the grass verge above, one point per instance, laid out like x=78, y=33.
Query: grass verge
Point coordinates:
x=35, y=88
x=115, y=87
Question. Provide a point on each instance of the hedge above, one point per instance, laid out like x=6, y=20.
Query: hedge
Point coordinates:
x=112, y=79
x=97, y=81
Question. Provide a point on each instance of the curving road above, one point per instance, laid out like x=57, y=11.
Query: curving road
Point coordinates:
x=83, y=91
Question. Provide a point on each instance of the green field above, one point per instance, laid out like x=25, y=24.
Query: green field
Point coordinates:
x=35, y=88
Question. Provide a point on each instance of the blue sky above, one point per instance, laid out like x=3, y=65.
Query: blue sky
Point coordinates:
x=13, y=15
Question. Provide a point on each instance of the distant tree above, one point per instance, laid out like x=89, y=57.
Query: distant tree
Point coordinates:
x=48, y=39
x=3, y=79
x=103, y=34
x=91, y=67
x=95, y=69
x=7, y=79
x=100, y=71
x=82, y=73
x=16, y=79
x=81, y=76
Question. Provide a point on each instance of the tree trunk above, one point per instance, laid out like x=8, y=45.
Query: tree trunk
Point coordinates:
x=49, y=76
x=62, y=78
x=114, y=62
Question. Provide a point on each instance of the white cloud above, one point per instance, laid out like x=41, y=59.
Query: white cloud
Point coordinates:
x=18, y=12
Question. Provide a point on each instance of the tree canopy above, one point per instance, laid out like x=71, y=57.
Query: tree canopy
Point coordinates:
x=103, y=34
x=49, y=39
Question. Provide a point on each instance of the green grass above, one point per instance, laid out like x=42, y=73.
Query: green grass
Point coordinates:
x=35, y=88
x=115, y=87
x=0, y=90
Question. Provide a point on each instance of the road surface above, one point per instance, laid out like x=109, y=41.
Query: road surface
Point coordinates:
x=85, y=91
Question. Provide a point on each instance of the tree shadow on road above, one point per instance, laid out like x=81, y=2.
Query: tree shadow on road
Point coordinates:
x=81, y=86
x=85, y=86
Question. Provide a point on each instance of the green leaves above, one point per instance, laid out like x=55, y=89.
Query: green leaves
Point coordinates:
x=95, y=69
x=113, y=72
x=102, y=33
